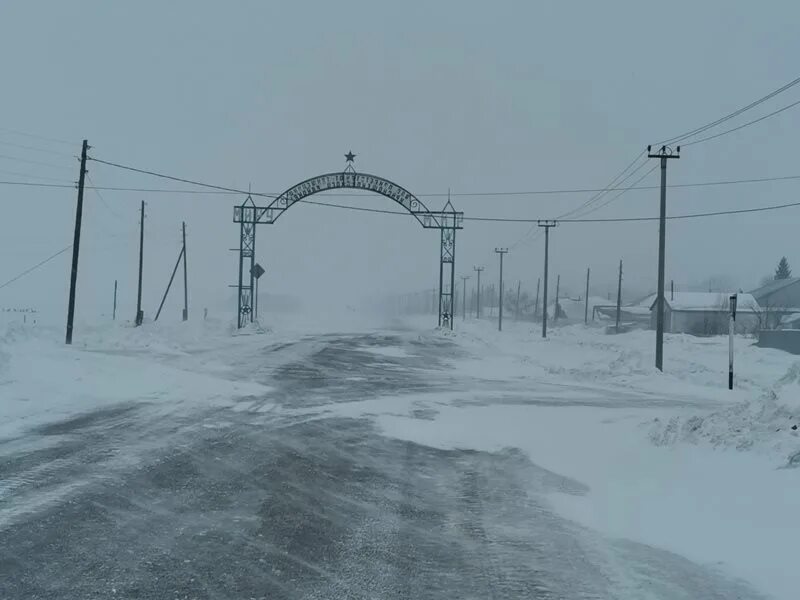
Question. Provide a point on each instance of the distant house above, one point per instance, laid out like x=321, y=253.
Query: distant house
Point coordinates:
x=777, y=299
x=636, y=313
x=706, y=313
x=790, y=321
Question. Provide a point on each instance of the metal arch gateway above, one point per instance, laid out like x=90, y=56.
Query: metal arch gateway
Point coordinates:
x=248, y=215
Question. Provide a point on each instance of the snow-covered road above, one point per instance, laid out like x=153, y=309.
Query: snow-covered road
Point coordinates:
x=321, y=488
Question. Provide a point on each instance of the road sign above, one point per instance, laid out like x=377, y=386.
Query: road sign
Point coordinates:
x=257, y=271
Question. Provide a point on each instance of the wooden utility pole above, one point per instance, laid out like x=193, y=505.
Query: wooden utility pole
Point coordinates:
x=139, y=313
x=555, y=310
x=619, y=294
x=76, y=244
x=547, y=225
x=586, y=309
x=169, y=285
x=114, y=311
x=478, y=270
x=464, y=279
x=516, y=313
x=501, y=252
x=664, y=154
x=185, y=285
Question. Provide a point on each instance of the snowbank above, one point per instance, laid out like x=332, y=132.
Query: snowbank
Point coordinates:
x=769, y=422
x=42, y=380
x=758, y=415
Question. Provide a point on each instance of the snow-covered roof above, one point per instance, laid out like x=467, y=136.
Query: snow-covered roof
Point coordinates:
x=645, y=301
x=636, y=309
x=708, y=301
x=773, y=286
x=790, y=318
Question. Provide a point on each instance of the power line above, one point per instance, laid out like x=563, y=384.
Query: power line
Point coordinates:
x=34, y=184
x=609, y=186
x=729, y=116
x=588, y=205
x=613, y=182
x=36, y=266
x=230, y=191
x=613, y=198
x=577, y=220
x=39, y=177
x=534, y=192
x=356, y=208
x=103, y=200
x=32, y=162
x=753, y=122
x=180, y=179
x=690, y=215
x=35, y=136
x=35, y=149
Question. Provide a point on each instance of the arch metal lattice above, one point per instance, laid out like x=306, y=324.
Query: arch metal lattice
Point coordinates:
x=248, y=215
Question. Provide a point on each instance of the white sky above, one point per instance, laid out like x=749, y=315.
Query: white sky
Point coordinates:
x=462, y=95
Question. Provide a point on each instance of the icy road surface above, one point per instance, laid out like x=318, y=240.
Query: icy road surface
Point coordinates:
x=288, y=496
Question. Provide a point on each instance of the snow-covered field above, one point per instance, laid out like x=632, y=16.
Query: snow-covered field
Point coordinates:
x=671, y=459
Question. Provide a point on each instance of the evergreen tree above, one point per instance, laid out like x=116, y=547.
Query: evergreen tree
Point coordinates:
x=783, y=271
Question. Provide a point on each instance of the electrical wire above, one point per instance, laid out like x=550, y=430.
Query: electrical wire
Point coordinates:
x=35, y=184
x=35, y=149
x=729, y=116
x=103, y=200
x=753, y=122
x=204, y=192
x=610, y=200
x=691, y=215
x=575, y=220
x=32, y=162
x=39, y=177
x=35, y=136
x=34, y=267
x=526, y=238
x=610, y=185
x=180, y=179
x=587, y=206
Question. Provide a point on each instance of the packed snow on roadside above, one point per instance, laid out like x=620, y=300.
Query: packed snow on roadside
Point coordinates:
x=42, y=380
x=761, y=414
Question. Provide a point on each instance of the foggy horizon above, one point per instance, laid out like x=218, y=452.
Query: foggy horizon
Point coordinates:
x=453, y=96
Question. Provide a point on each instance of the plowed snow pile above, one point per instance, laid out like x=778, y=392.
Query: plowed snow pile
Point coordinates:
x=769, y=422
